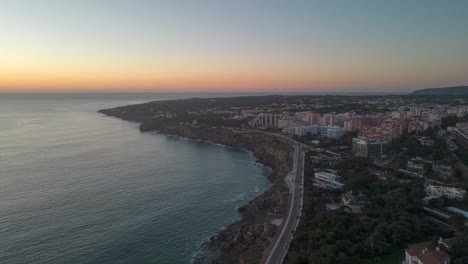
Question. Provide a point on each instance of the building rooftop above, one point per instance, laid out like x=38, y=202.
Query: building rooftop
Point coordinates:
x=427, y=255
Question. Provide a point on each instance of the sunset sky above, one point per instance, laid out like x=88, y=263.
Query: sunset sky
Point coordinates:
x=235, y=45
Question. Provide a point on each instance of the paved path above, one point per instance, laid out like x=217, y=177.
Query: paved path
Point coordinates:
x=281, y=244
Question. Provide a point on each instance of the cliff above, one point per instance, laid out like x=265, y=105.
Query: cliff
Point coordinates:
x=242, y=241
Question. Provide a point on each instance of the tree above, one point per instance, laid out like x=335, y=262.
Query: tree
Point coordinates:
x=438, y=149
x=427, y=168
x=438, y=203
x=460, y=247
x=449, y=121
x=462, y=260
x=457, y=173
x=457, y=220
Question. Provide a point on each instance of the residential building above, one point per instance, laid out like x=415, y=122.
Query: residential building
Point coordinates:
x=265, y=120
x=303, y=130
x=354, y=204
x=327, y=180
x=443, y=169
x=415, y=111
x=450, y=192
x=352, y=124
x=284, y=122
x=328, y=131
x=399, y=115
x=369, y=148
x=423, y=253
x=415, y=125
x=328, y=120
x=335, y=132
x=417, y=163
x=306, y=116
x=461, y=136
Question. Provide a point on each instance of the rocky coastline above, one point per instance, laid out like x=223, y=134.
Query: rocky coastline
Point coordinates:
x=245, y=240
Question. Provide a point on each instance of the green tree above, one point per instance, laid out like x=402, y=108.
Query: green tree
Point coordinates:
x=427, y=168
x=457, y=220
x=457, y=173
x=462, y=260
x=460, y=247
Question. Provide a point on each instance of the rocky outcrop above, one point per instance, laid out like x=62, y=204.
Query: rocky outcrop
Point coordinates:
x=244, y=240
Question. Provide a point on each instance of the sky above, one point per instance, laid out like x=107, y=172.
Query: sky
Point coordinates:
x=232, y=45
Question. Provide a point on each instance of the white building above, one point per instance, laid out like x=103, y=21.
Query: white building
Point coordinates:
x=423, y=253
x=323, y=130
x=328, y=120
x=328, y=131
x=327, y=180
x=284, y=122
x=369, y=148
x=306, y=116
x=417, y=163
x=415, y=111
x=303, y=130
x=450, y=192
x=335, y=132
x=265, y=120
x=352, y=124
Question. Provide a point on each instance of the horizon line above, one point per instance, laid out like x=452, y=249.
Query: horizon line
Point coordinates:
x=291, y=90
x=273, y=92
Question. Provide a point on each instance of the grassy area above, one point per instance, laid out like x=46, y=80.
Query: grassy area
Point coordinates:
x=395, y=257
x=257, y=253
x=282, y=145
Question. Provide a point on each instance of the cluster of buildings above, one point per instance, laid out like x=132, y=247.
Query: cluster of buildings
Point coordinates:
x=417, y=164
x=390, y=125
x=381, y=127
x=327, y=131
x=374, y=130
x=302, y=123
x=459, y=133
x=449, y=192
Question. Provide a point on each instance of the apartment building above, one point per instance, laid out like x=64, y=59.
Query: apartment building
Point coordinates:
x=369, y=148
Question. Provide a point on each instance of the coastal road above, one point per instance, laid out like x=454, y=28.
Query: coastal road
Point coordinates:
x=281, y=244
x=289, y=224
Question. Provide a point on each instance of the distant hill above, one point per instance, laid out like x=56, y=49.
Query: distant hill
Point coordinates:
x=456, y=90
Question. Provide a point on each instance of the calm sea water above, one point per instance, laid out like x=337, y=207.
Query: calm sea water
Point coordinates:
x=79, y=187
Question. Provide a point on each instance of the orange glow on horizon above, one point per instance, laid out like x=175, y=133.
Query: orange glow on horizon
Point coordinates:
x=173, y=78
x=209, y=77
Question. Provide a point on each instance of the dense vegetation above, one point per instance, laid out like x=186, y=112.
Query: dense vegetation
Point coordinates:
x=392, y=219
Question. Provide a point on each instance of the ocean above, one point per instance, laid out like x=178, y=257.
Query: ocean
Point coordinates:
x=79, y=187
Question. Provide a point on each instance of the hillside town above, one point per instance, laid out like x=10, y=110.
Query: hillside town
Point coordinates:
x=386, y=177
x=436, y=134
